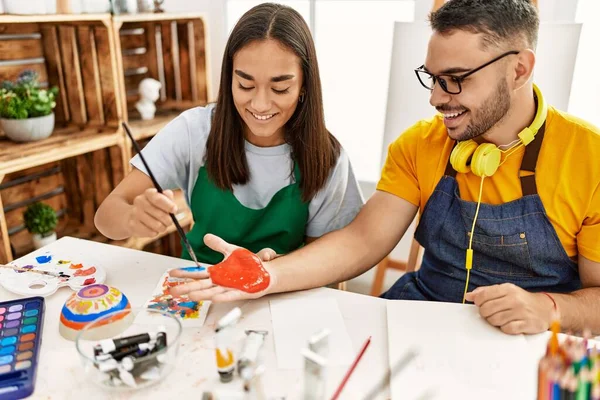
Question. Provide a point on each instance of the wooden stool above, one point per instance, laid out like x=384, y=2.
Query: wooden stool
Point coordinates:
x=388, y=262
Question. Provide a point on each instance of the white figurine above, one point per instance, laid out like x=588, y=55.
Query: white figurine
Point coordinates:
x=149, y=92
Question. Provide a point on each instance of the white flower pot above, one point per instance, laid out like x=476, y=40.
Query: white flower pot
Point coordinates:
x=25, y=7
x=39, y=241
x=28, y=130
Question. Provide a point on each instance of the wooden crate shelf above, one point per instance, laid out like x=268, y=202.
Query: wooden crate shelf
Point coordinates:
x=169, y=48
x=146, y=129
x=97, y=62
x=53, y=18
x=64, y=143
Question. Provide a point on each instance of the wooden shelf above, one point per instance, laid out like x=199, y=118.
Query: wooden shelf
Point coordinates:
x=142, y=129
x=64, y=143
x=145, y=17
x=41, y=18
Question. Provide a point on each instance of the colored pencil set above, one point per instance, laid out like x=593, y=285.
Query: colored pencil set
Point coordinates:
x=569, y=370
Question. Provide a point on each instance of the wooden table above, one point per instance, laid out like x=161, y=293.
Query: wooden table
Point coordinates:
x=136, y=274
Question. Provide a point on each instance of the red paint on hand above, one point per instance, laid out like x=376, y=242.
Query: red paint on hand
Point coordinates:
x=242, y=270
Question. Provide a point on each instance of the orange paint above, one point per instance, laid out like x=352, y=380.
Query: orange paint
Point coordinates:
x=85, y=272
x=242, y=270
x=76, y=266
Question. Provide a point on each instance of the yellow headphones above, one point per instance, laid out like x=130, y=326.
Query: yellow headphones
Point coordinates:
x=484, y=159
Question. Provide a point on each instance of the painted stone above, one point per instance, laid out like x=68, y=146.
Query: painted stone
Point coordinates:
x=90, y=303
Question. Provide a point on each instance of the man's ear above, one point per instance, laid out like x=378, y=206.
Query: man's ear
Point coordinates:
x=523, y=69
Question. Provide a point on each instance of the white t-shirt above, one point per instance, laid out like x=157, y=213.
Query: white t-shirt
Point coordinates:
x=176, y=155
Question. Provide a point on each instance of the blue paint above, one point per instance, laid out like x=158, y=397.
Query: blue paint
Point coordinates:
x=28, y=329
x=43, y=259
x=31, y=313
x=193, y=269
x=8, y=341
x=7, y=350
x=6, y=360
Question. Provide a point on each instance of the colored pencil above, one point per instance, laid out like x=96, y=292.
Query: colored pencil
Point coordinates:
x=159, y=189
x=352, y=367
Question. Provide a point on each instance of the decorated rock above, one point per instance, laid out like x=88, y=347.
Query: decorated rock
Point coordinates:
x=90, y=303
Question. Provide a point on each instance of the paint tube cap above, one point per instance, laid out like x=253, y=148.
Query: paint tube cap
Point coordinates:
x=108, y=365
x=226, y=376
x=229, y=318
x=107, y=345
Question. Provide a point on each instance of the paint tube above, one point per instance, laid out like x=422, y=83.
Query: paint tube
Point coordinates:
x=109, y=345
x=314, y=375
x=255, y=386
x=249, y=356
x=224, y=350
x=319, y=342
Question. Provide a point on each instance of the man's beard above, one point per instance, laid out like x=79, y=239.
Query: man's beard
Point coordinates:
x=493, y=110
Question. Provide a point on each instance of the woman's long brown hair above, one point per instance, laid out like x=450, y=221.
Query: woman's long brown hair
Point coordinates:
x=314, y=149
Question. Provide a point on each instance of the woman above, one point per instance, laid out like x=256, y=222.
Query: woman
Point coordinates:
x=259, y=168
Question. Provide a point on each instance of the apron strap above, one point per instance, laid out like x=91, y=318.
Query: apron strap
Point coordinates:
x=532, y=151
x=528, y=163
x=449, y=170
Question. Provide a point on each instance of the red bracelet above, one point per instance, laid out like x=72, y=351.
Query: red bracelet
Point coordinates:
x=551, y=298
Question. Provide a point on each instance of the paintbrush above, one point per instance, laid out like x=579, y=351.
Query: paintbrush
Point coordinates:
x=159, y=189
x=19, y=269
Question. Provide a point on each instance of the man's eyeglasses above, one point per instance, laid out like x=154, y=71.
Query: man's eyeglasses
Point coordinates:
x=451, y=84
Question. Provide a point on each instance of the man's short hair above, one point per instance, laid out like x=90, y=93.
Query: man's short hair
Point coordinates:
x=500, y=21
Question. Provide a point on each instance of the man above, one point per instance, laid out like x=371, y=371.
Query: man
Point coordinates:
x=536, y=237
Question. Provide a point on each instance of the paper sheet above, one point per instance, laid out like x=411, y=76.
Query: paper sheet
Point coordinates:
x=190, y=313
x=295, y=320
x=459, y=355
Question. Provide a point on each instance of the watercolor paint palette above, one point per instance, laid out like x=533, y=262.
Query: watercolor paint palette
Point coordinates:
x=45, y=274
x=21, y=324
x=190, y=313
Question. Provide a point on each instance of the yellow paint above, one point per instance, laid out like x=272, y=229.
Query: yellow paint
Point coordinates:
x=222, y=362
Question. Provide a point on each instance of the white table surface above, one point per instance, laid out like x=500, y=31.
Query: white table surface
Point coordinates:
x=136, y=274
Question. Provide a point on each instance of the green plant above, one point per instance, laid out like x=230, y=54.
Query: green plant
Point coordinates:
x=25, y=99
x=40, y=218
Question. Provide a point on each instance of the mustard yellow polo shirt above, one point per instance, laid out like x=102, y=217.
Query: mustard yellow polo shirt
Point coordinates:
x=568, y=176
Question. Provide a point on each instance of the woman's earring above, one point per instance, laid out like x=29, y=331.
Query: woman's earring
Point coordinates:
x=301, y=98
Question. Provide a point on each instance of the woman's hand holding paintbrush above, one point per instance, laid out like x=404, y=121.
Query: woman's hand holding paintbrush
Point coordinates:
x=159, y=190
x=150, y=213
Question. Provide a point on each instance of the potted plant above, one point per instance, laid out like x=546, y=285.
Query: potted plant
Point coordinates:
x=40, y=220
x=26, y=110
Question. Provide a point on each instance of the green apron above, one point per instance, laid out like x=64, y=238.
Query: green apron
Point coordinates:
x=280, y=225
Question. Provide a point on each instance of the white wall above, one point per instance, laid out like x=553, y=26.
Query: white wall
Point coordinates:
x=585, y=94
x=216, y=33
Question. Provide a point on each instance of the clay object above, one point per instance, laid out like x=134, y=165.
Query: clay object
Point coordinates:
x=90, y=303
x=242, y=270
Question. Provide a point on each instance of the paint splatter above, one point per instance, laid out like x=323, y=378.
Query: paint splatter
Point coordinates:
x=76, y=266
x=193, y=269
x=185, y=309
x=85, y=272
x=89, y=281
x=62, y=262
x=43, y=259
x=180, y=306
x=25, y=267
